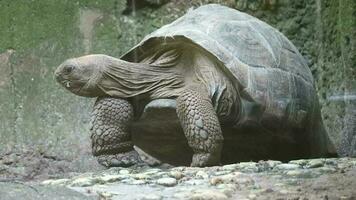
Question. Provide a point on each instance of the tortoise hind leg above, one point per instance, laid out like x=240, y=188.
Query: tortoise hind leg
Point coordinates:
x=201, y=126
x=111, y=140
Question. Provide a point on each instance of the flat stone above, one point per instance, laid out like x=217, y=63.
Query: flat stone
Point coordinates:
x=167, y=182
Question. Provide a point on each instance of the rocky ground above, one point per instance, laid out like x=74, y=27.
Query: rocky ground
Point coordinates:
x=299, y=179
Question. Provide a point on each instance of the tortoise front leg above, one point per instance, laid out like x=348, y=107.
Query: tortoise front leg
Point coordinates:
x=201, y=126
x=111, y=140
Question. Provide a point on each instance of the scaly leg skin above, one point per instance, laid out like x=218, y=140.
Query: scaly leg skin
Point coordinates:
x=201, y=126
x=111, y=140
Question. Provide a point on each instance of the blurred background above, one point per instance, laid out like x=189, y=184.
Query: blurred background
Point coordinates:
x=39, y=119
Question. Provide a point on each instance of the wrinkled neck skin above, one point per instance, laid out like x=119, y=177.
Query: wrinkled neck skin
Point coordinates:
x=122, y=79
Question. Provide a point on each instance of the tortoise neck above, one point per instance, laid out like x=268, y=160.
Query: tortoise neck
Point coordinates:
x=124, y=79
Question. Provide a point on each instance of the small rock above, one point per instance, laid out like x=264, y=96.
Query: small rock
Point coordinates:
x=138, y=182
x=105, y=195
x=326, y=169
x=252, y=196
x=202, y=175
x=227, y=189
x=124, y=171
x=287, y=166
x=296, y=173
x=141, y=176
x=152, y=197
x=176, y=174
x=167, y=182
x=300, y=162
x=219, y=173
x=110, y=178
x=83, y=182
x=208, y=195
x=230, y=167
x=216, y=180
x=273, y=163
x=195, y=182
x=55, y=182
x=316, y=163
x=236, y=177
x=248, y=166
x=152, y=171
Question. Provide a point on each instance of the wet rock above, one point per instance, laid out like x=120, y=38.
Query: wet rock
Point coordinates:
x=167, y=182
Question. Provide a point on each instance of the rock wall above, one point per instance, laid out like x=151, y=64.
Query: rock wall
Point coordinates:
x=37, y=35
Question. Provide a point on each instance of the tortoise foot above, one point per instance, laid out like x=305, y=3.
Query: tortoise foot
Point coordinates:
x=205, y=159
x=120, y=160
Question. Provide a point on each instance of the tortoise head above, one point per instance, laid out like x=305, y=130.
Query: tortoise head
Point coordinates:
x=80, y=75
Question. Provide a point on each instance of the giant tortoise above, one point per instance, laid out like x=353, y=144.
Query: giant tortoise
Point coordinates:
x=238, y=89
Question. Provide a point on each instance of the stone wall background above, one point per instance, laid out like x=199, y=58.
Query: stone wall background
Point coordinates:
x=36, y=36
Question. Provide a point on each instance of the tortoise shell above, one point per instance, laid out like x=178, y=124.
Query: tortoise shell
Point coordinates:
x=269, y=73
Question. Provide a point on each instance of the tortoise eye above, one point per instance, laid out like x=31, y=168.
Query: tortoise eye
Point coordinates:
x=68, y=69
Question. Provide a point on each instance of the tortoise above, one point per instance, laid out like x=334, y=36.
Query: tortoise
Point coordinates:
x=223, y=70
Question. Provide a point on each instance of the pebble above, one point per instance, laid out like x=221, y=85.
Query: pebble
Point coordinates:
x=208, y=195
x=315, y=163
x=296, y=173
x=110, y=178
x=300, y=162
x=195, y=182
x=288, y=166
x=138, y=182
x=167, y=182
x=55, y=182
x=83, y=182
x=202, y=175
x=124, y=171
x=141, y=176
x=273, y=163
x=151, y=197
x=176, y=174
x=248, y=167
x=229, y=168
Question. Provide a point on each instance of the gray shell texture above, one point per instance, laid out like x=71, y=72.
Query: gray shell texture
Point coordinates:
x=263, y=64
